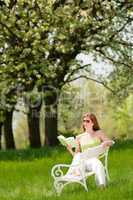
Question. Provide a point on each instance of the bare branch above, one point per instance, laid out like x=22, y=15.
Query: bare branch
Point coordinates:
x=119, y=30
x=113, y=35
x=95, y=80
x=124, y=43
x=75, y=71
x=114, y=61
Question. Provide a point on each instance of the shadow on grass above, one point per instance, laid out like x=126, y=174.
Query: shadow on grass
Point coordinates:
x=123, y=144
x=51, y=152
x=31, y=154
x=120, y=181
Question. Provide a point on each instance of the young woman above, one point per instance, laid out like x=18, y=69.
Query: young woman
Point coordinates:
x=92, y=136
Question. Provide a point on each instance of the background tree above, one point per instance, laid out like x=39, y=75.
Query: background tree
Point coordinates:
x=7, y=107
x=43, y=38
x=1, y=125
x=33, y=103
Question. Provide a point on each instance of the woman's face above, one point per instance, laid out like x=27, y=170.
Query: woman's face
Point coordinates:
x=87, y=123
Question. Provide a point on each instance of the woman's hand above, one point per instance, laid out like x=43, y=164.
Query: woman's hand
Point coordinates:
x=69, y=148
x=107, y=143
x=77, y=150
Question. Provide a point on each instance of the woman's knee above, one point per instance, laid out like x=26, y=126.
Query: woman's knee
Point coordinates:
x=96, y=164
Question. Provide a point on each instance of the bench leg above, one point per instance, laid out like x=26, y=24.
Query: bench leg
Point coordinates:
x=85, y=186
x=58, y=187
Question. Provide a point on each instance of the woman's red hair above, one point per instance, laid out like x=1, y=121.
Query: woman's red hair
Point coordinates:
x=93, y=118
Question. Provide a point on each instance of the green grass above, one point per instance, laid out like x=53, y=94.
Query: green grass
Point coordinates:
x=25, y=175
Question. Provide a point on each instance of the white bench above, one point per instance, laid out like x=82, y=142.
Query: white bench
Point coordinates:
x=58, y=171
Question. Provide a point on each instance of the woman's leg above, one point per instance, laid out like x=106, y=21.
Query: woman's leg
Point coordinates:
x=74, y=170
x=95, y=165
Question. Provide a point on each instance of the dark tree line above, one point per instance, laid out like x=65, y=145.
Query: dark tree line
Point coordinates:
x=39, y=42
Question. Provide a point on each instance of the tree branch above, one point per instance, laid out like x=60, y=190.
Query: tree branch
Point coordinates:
x=113, y=35
x=124, y=43
x=114, y=61
x=119, y=30
x=75, y=71
x=95, y=80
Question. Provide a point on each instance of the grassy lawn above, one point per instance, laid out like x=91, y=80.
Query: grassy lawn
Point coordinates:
x=26, y=175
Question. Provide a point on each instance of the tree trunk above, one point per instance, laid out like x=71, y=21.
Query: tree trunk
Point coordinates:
x=51, y=120
x=8, y=131
x=1, y=124
x=34, y=127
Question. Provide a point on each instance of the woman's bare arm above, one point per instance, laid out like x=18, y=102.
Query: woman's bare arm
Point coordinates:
x=77, y=150
x=69, y=148
x=106, y=142
x=78, y=145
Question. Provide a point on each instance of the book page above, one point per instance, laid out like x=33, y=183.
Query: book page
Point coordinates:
x=67, y=141
x=62, y=140
x=93, y=152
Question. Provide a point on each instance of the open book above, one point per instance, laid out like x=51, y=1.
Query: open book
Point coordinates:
x=93, y=152
x=67, y=141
